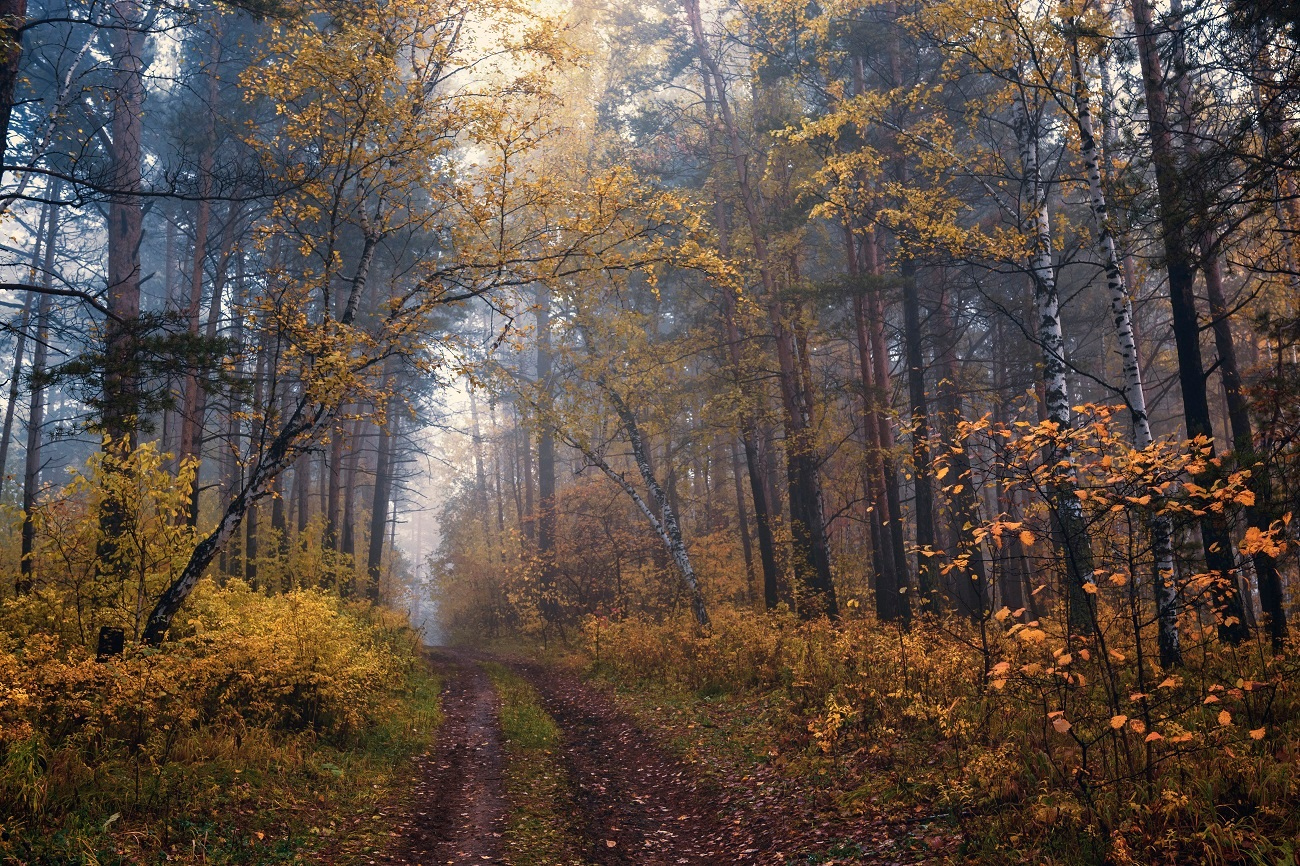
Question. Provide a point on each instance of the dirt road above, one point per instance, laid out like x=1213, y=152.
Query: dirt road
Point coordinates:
x=457, y=811
x=636, y=803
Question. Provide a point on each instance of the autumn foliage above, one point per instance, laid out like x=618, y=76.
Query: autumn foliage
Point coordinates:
x=1032, y=733
x=124, y=752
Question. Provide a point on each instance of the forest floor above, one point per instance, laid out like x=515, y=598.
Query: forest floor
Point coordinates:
x=627, y=791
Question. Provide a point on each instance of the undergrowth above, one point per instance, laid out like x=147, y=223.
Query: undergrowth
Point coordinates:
x=270, y=725
x=1120, y=763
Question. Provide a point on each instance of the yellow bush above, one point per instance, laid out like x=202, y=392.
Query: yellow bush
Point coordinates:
x=302, y=662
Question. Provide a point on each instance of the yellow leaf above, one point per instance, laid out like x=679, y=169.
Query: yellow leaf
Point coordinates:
x=1257, y=734
x=1118, y=722
x=1061, y=725
x=1152, y=737
x=1026, y=538
x=1225, y=717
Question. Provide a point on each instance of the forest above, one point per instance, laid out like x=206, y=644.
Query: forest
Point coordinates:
x=649, y=431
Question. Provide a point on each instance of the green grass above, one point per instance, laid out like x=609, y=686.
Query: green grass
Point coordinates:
x=539, y=829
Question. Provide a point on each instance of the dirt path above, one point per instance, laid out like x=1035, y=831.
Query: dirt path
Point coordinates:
x=634, y=802
x=457, y=810
x=638, y=804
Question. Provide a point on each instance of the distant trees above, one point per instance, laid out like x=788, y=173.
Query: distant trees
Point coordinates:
x=915, y=220
x=766, y=272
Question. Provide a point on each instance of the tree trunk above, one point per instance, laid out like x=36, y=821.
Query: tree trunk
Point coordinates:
x=545, y=466
x=922, y=471
x=125, y=229
x=1067, y=512
x=812, y=565
x=888, y=580
x=334, y=496
x=529, y=520
x=302, y=495
x=749, y=428
x=971, y=581
x=13, y=15
x=480, y=471
x=1174, y=215
x=36, y=412
x=304, y=423
x=742, y=526
x=20, y=345
x=379, y=512
x=1121, y=307
x=666, y=522
x=120, y=407
x=191, y=424
x=1261, y=514
x=763, y=516
x=348, y=546
x=260, y=394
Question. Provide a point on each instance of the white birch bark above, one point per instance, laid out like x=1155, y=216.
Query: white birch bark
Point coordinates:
x=667, y=526
x=1121, y=307
x=1051, y=337
x=1047, y=300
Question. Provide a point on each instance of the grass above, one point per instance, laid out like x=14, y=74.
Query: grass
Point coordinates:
x=249, y=796
x=539, y=829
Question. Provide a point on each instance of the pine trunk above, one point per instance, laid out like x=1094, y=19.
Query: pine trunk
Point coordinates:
x=1174, y=215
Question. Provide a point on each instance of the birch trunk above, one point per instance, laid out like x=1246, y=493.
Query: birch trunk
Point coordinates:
x=1067, y=512
x=20, y=345
x=1121, y=308
x=666, y=524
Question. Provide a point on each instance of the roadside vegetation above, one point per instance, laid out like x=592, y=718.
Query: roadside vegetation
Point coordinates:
x=270, y=727
x=920, y=737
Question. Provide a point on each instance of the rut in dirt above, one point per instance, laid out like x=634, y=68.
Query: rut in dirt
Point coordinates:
x=637, y=804
x=457, y=810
